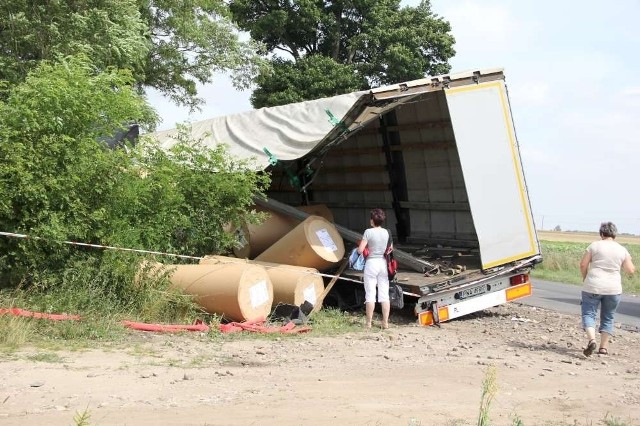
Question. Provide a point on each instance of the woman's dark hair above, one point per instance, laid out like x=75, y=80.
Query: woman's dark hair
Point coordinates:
x=378, y=216
x=608, y=229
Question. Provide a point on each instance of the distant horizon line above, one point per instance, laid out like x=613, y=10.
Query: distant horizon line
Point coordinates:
x=575, y=231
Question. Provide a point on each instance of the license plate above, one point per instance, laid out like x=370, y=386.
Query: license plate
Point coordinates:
x=470, y=292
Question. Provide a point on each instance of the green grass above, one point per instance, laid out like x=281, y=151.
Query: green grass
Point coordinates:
x=97, y=327
x=326, y=322
x=101, y=301
x=330, y=322
x=46, y=357
x=561, y=263
x=14, y=332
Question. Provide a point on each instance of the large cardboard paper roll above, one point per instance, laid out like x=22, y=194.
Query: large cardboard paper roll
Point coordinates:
x=291, y=284
x=258, y=238
x=239, y=292
x=314, y=243
x=296, y=286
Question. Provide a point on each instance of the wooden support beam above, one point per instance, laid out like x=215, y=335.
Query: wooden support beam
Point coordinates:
x=327, y=289
x=350, y=187
x=402, y=257
x=353, y=169
x=419, y=205
x=440, y=124
x=359, y=205
x=421, y=146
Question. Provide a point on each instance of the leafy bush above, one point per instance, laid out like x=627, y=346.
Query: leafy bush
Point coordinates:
x=59, y=183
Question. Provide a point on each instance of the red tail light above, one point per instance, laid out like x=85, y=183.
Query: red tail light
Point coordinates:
x=519, y=279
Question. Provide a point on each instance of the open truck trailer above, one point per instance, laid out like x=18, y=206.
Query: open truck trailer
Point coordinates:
x=439, y=155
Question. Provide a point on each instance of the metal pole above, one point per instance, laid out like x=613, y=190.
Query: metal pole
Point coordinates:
x=402, y=257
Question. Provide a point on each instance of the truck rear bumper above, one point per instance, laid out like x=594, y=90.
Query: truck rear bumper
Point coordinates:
x=489, y=300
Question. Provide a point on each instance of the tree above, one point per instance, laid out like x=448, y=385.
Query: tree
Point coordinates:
x=371, y=42
x=166, y=44
x=190, y=42
x=311, y=77
x=108, y=32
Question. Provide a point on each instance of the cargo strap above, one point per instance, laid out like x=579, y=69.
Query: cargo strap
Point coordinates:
x=335, y=122
x=294, y=180
x=99, y=246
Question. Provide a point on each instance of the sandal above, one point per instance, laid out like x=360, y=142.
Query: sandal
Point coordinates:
x=590, y=348
x=603, y=351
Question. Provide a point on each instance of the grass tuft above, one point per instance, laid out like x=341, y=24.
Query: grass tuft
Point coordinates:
x=46, y=357
x=15, y=331
x=81, y=418
x=516, y=420
x=489, y=390
x=611, y=420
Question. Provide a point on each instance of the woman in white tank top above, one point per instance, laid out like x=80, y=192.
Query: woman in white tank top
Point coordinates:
x=600, y=268
x=376, y=239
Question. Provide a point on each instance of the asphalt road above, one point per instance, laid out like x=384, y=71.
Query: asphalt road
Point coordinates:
x=565, y=298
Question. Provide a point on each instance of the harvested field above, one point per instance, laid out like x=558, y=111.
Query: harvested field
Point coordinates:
x=583, y=237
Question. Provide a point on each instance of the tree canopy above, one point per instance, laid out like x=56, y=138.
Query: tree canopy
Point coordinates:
x=365, y=43
x=167, y=45
x=190, y=42
x=311, y=77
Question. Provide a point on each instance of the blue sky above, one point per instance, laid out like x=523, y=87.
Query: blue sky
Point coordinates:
x=573, y=74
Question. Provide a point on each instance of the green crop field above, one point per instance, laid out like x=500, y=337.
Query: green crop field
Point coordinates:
x=561, y=262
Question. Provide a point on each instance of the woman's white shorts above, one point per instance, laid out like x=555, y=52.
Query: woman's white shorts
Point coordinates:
x=376, y=275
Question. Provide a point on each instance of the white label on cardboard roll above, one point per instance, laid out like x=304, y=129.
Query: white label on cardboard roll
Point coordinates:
x=259, y=294
x=309, y=294
x=326, y=239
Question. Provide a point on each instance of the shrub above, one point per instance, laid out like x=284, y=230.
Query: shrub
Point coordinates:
x=59, y=183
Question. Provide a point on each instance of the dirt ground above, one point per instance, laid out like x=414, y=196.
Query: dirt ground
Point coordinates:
x=407, y=375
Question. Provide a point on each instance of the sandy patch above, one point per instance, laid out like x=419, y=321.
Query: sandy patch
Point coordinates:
x=408, y=375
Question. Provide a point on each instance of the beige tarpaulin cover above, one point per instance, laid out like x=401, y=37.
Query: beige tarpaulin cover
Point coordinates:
x=287, y=131
x=291, y=131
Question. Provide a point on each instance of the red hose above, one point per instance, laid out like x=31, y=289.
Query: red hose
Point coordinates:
x=257, y=326
x=166, y=328
x=24, y=313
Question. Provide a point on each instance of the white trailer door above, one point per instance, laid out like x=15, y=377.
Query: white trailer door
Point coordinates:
x=490, y=159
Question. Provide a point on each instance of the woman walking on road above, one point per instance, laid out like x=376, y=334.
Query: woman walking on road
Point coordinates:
x=376, y=240
x=600, y=267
